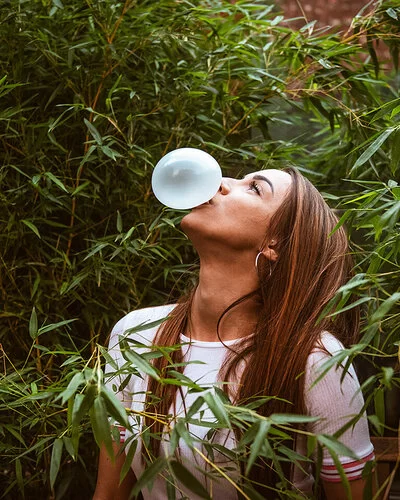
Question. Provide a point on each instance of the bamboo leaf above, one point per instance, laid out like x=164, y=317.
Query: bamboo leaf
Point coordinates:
x=373, y=148
x=149, y=475
x=129, y=459
x=139, y=362
x=54, y=326
x=11, y=429
x=311, y=445
x=33, y=324
x=70, y=447
x=19, y=477
x=354, y=304
x=188, y=479
x=32, y=227
x=100, y=425
x=384, y=308
x=217, y=407
x=114, y=406
x=395, y=151
x=77, y=380
x=379, y=405
x=336, y=447
x=55, y=460
x=262, y=431
x=94, y=132
x=56, y=181
x=287, y=418
x=82, y=404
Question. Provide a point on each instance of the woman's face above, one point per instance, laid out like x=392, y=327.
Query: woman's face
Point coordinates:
x=238, y=215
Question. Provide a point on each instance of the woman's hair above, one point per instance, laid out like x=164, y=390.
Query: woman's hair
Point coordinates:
x=313, y=263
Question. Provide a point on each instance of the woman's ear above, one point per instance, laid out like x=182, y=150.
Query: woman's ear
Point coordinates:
x=269, y=251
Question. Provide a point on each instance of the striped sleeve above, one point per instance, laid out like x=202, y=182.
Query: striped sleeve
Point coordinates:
x=336, y=398
x=353, y=469
x=122, y=433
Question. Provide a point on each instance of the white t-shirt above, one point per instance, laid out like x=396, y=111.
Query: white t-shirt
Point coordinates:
x=334, y=401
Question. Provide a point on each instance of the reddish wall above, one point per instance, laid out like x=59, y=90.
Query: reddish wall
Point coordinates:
x=335, y=13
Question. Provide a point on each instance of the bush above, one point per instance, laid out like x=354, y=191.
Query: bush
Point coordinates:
x=92, y=95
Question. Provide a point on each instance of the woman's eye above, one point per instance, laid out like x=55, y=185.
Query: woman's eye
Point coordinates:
x=255, y=187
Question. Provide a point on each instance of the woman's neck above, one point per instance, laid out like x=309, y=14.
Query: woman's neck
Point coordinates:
x=219, y=287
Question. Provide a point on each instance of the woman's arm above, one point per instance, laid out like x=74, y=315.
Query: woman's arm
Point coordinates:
x=336, y=491
x=108, y=487
x=336, y=399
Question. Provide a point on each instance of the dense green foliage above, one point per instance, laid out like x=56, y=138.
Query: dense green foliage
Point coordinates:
x=92, y=94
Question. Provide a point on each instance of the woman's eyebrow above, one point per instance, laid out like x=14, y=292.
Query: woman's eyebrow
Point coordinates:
x=262, y=178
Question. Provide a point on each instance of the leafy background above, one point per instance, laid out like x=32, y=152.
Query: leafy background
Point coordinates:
x=92, y=94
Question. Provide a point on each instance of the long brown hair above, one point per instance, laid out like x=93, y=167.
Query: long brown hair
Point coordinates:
x=313, y=263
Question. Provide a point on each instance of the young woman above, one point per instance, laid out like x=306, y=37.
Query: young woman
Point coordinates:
x=269, y=264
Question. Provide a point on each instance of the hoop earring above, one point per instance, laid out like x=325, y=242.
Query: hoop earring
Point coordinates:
x=256, y=262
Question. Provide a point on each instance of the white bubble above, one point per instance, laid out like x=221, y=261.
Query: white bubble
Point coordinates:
x=186, y=178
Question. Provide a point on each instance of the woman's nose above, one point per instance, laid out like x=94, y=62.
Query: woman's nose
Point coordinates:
x=225, y=186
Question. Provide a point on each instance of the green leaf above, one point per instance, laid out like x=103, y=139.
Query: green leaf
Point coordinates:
x=379, y=405
x=11, y=429
x=335, y=446
x=384, y=308
x=333, y=450
x=388, y=373
x=128, y=459
x=145, y=326
x=373, y=148
x=114, y=406
x=33, y=324
x=140, y=363
x=39, y=444
x=32, y=227
x=82, y=404
x=98, y=248
x=188, y=479
x=111, y=153
x=69, y=447
x=395, y=152
x=146, y=480
x=100, y=425
x=71, y=360
x=183, y=432
x=195, y=407
x=288, y=418
x=217, y=407
x=56, y=181
x=311, y=445
x=55, y=460
x=77, y=380
x=351, y=306
x=19, y=477
x=119, y=222
x=54, y=326
x=94, y=132
x=262, y=431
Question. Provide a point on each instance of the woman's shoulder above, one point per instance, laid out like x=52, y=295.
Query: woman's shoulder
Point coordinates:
x=326, y=346
x=328, y=357
x=141, y=317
